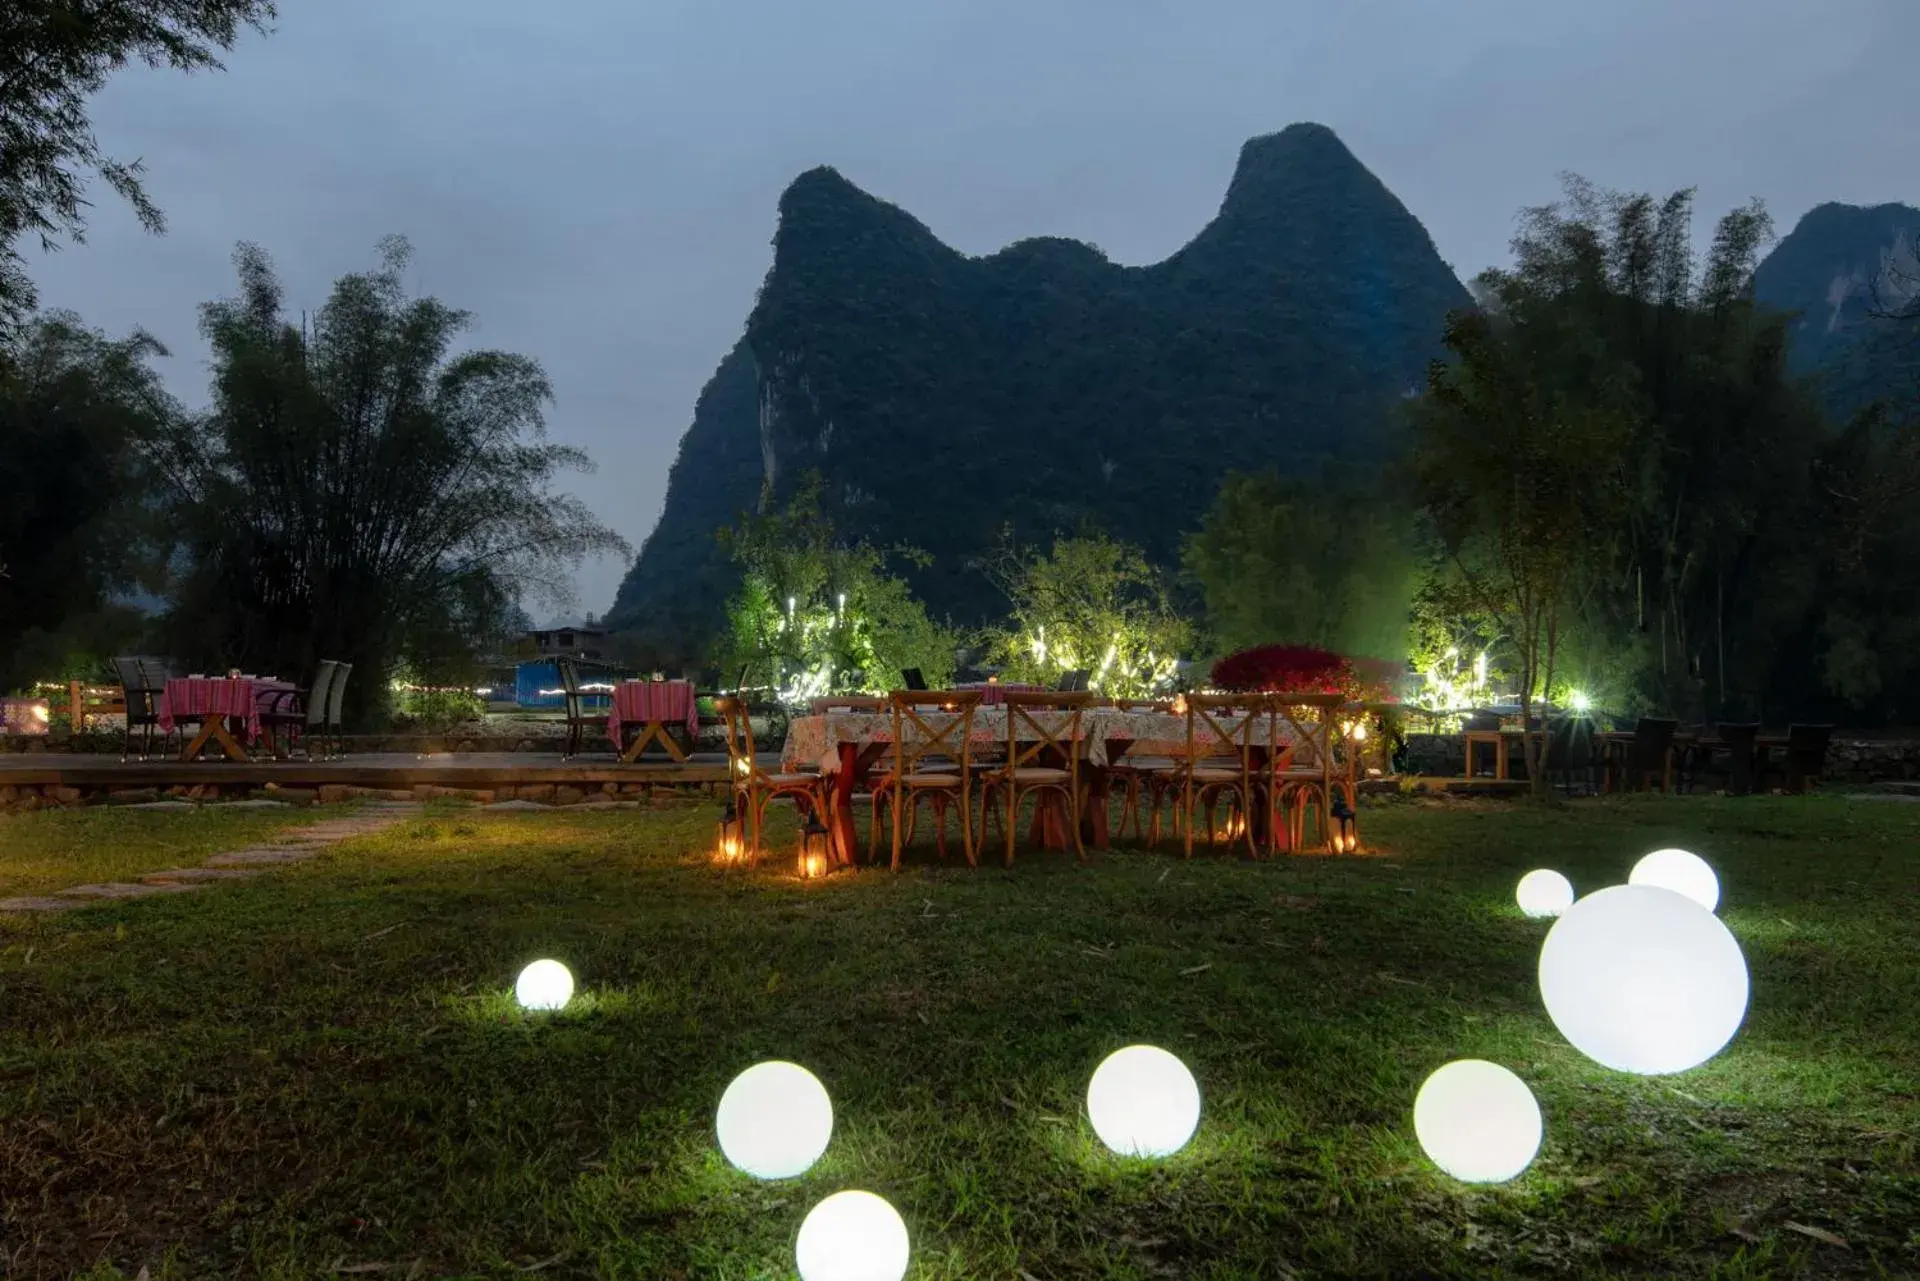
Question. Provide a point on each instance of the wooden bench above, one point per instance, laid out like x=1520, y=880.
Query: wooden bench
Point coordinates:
x=93, y=700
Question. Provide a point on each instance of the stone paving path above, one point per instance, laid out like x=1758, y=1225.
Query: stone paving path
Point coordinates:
x=294, y=845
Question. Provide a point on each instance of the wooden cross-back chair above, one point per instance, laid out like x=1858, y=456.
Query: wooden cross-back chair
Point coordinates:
x=752, y=787
x=1219, y=761
x=1140, y=778
x=933, y=758
x=1042, y=728
x=1303, y=778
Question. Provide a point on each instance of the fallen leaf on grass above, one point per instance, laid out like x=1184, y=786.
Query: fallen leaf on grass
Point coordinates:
x=544, y=1263
x=1818, y=1234
x=1197, y=969
x=378, y=933
x=1395, y=978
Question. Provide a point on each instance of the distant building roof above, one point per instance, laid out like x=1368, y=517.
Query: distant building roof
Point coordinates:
x=572, y=625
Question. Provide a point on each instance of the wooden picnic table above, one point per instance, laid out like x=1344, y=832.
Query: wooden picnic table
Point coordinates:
x=1611, y=742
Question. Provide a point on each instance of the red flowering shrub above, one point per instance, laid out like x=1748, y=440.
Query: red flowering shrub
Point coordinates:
x=1284, y=669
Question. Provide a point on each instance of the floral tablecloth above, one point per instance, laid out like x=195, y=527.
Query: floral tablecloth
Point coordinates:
x=670, y=702
x=994, y=694
x=815, y=740
x=197, y=697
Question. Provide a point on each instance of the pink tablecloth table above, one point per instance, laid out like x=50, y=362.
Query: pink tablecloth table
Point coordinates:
x=994, y=693
x=652, y=705
x=213, y=701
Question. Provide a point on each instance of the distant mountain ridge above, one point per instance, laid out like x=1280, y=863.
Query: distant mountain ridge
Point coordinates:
x=943, y=397
x=1838, y=265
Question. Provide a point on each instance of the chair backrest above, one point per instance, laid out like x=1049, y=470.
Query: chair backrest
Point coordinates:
x=1569, y=743
x=132, y=680
x=1807, y=747
x=337, y=692
x=948, y=733
x=847, y=703
x=739, y=723
x=1032, y=732
x=320, y=692
x=912, y=679
x=1075, y=681
x=1308, y=720
x=1214, y=733
x=1652, y=739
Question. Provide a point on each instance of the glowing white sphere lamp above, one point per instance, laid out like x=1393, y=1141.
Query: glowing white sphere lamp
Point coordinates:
x=1643, y=980
x=1544, y=892
x=544, y=985
x=852, y=1236
x=1143, y=1102
x=1477, y=1121
x=775, y=1120
x=1680, y=871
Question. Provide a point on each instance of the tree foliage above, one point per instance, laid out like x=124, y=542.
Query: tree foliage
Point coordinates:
x=1089, y=602
x=77, y=412
x=1323, y=561
x=816, y=613
x=54, y=56
x=1509, y=466
x=358, y=489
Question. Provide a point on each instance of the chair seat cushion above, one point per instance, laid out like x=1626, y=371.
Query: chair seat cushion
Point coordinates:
x=1039, y=774
x=920, y=778
x=788, y=780
x=1215, y=774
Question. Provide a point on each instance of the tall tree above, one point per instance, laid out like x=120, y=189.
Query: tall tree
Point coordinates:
x=1321, y=561
x=54, y=55
x=1717, y=464
x=1507, y=467
x=77, y=410
x=357, y=482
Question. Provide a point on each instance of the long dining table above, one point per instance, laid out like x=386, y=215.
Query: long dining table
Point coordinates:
x=848, y=746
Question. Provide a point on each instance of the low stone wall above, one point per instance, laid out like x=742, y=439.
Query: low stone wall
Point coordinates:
x=1849, y=760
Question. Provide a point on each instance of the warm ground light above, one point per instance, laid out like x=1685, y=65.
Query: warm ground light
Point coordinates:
x=322, y=1069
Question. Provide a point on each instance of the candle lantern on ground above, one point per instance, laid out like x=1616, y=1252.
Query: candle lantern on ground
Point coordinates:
x=728, y=844
x=816, y=847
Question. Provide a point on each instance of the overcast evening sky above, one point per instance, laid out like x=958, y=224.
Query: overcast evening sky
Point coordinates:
x=596, y=179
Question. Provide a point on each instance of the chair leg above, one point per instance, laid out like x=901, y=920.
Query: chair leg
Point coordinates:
x=900, y=795
x=1186, y=810
x=966, y=828
x=1013, y=816
x=1073, y=822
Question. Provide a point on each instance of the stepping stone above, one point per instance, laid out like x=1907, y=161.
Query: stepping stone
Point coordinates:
x=517, y=805
x=162, y=805
x=197, y=874
x=256, y=805
x=122, y=889
x=248, y=858
x=36, y=903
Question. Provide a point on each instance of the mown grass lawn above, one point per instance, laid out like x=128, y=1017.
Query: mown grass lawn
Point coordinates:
x=321, y=1069
x=55, y=849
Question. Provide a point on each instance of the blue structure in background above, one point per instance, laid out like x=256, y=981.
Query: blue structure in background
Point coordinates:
x=537, y=685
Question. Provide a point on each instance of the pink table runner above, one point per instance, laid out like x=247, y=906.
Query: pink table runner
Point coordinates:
x=197, y=697
x=665, y=701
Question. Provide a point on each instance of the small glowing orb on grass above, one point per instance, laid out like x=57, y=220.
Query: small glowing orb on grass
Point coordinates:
x=774, y=1120
x=1544, y=892
x=1643, y=980
x=1681, y=872
x=1143, y=1102
x=544, y=985
x=852, y=1236
x=1477, y=1121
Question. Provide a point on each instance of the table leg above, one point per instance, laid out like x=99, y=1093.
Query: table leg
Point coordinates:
x=1500, y=758
x=198, y=742
x=223, y=736
x=1093, y=808
x=840, y=808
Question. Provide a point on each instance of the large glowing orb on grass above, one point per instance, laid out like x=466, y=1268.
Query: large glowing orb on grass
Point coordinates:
x=852, y=1236
x=1681, y=872
x=544, y=985
x=1544, y=892
x=1143, y=1102
x=1644, y=980
x=774, y=1120
x=1477, y=1121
